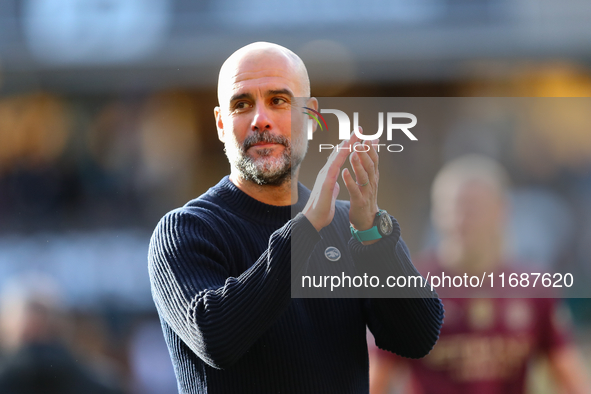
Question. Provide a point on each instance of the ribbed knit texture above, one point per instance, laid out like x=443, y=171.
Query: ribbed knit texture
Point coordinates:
x=220, y=269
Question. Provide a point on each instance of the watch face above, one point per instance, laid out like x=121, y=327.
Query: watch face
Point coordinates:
x=385, y=226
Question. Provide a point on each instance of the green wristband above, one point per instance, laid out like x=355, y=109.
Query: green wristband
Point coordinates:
x=367, y=235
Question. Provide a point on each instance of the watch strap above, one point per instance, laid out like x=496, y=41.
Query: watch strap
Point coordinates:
x=366, y=235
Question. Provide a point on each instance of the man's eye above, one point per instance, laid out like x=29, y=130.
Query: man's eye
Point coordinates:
x=241, y=105
x=279, y=101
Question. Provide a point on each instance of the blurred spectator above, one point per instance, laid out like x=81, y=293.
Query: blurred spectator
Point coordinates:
x=34, y=133
x=169, y=138
x=485, y=343
x=36, y=360
x=540, y=239
x=150, y=362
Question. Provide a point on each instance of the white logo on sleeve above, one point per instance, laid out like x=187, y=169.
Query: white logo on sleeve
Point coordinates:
x=332, y=253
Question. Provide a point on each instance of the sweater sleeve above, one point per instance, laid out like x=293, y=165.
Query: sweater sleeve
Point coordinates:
x=218, y=316
x=408, y=323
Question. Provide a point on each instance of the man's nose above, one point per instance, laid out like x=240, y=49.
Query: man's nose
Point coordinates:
x=261, y=120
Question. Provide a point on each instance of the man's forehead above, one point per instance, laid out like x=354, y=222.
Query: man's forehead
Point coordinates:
x=243, y=76
x=258, y=81
x=247, y=73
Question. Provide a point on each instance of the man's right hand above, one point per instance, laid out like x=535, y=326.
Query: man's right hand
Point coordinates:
x=321, y=206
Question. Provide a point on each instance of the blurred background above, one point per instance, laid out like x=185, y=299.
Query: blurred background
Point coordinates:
x=106, y=123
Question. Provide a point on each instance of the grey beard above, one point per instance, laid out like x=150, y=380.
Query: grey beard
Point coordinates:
x=260, y=173
x=251, y=171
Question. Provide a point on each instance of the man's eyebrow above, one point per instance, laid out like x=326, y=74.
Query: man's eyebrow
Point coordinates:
x=280, y=91
x=241, y=96
x=269, y=93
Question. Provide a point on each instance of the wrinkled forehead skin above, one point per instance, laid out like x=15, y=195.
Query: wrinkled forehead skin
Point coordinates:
x=262, y=62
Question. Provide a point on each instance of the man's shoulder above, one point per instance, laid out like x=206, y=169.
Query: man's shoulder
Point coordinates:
x=203, y=208
x=211, y=199
x=201, y=221
x=202, y=211
x=184, y=223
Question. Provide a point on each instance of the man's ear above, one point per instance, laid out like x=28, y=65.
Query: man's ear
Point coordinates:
x=313, y=103
x=219, y=124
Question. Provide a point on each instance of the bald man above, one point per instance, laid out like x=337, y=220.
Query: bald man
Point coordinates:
x=220, y=266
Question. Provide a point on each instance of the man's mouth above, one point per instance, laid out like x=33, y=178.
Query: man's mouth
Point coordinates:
x=264, y=144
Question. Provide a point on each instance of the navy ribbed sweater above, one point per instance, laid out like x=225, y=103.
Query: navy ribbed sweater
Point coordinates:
x=220, y=272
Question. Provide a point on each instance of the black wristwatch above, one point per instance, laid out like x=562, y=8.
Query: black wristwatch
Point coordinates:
x=382, y=227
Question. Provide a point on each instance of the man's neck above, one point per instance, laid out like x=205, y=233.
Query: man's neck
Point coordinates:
x=280, y=195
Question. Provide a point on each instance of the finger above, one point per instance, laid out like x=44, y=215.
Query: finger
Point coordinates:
x=330, y=172
x=339, y=155
x=353, y=138
x=327, y=173
x=333, y=154
x=354, y=191
x=340, y=151
x=337, y=161
x=361, y=175
x=367, y=163
x=335, y=193
x=360, y=153
x=347, y=144
x=373, y=152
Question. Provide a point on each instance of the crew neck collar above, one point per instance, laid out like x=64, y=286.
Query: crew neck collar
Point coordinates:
x=248, y=206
